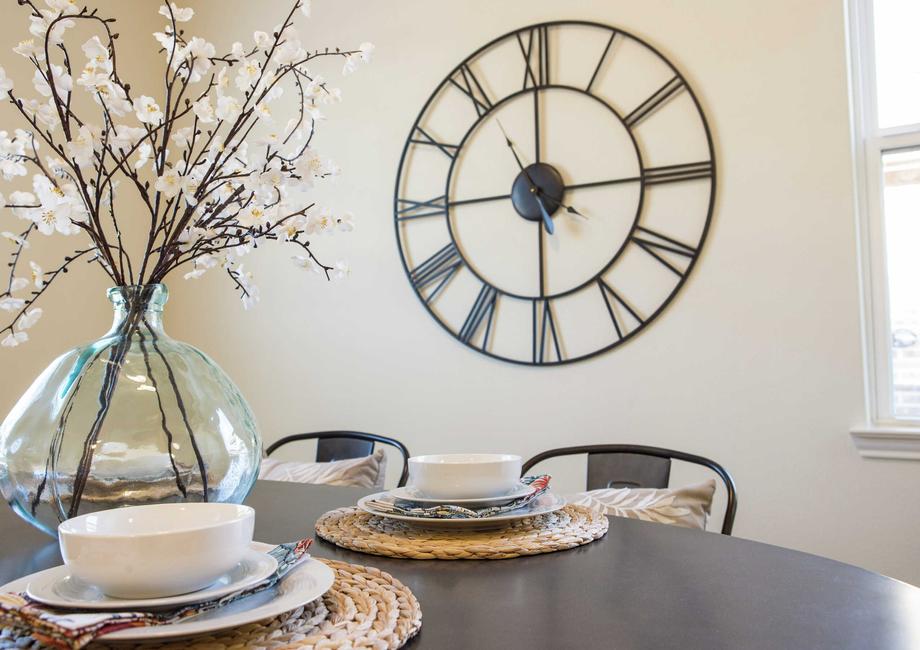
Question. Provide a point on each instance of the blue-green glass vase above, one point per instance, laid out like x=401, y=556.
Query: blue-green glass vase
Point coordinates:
x=133, y=418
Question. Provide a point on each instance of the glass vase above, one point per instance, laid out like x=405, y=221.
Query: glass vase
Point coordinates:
x=133, y=418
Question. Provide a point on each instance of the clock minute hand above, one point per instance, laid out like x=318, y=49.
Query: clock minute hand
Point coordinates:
x=547, y=220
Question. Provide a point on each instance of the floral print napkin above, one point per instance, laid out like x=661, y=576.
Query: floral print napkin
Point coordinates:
x=538, y=485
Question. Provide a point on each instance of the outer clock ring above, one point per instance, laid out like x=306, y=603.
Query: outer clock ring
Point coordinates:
x=643, y=184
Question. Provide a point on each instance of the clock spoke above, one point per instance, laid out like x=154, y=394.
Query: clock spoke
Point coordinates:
x=480, y=199
x=612, y=181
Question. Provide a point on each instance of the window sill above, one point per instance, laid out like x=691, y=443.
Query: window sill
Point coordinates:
x=892, y=442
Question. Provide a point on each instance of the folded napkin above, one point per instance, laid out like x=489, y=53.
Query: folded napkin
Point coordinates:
x=538, y=485
x=72, y=629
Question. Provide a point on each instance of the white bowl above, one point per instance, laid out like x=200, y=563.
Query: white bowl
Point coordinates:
x=158, y=550
x=464, y=476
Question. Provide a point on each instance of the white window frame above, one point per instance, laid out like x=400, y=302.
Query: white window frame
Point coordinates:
x=882, y=435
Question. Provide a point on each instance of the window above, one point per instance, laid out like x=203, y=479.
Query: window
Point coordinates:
x=886, y=83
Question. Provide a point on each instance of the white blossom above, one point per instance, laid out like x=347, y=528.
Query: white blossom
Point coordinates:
x=169, y=184
x=38, y=275
x=228, y=108
x=6, y=84
x=80, y=149
x=63, y=7
x=203, y=110
x=30, y=48
x=12, y=151
x=248, y=74
x=345, y=223
x=199, y=52
x=13, y=339
x=252, y=216
x=340, y=270
x=15, y=239
x=262, y=40
x=180, y=15
x=10, y=304
x=124, y=137
x=166, y=39
x=147, y=110
x=54, y=213
x=306, y=7
x=63, y=83
x=144, y=152
x=29, y=318
x=366, y=49
x=18, y=284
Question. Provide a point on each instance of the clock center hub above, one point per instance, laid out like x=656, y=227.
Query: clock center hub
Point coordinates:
x=537, y=180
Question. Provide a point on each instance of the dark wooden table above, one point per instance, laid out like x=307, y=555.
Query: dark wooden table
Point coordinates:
x=644, y=585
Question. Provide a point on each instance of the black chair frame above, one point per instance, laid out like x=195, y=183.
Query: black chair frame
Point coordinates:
x=657, y=452
x=339, y=445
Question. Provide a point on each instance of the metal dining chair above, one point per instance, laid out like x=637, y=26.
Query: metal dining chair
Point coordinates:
x=639, y=466
x=341, y=445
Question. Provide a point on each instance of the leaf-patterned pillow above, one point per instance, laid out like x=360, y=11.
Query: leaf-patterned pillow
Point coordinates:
x=367, y=471
x=688, y=506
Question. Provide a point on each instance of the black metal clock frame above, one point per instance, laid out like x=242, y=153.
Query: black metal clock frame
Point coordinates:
x=441, y=266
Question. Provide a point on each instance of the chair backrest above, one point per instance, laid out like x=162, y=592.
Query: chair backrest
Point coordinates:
x=640, y=466
x=340, y=445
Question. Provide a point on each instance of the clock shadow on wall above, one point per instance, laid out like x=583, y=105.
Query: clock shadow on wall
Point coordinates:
x=554, y=193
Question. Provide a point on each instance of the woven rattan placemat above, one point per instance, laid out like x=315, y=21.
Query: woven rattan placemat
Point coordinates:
x=357, y=530
x=365, y=608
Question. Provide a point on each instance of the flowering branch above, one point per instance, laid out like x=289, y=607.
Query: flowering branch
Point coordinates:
x=214, y=166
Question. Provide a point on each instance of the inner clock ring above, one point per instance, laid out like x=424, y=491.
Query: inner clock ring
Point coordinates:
x=537, y=180
x=524, y=206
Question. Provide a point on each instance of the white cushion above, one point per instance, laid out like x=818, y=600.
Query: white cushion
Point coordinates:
x=688, y=506
x=368, y=471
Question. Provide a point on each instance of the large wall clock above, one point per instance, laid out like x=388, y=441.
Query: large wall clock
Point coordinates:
x=555, y=192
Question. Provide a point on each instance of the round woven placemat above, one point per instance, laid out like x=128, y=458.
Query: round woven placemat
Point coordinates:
x=365, y=608
x=357, y=530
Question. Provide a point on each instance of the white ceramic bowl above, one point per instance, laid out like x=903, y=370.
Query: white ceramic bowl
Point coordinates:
x=464, y=476
x=158, y=550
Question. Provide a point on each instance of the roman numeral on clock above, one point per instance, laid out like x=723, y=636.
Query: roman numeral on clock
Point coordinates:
x=608, y=293
x=536, y=56
x=600, y=61
x=544, y=324
x=483, y=309
x=467, y=82
x=658, y=245
x=420, y=136
x=407, y=209
x=677, y=173
x=439, y=268
x=655, y=101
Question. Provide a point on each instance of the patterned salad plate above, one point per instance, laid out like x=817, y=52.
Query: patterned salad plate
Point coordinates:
x=545, y=503
x=306, y=582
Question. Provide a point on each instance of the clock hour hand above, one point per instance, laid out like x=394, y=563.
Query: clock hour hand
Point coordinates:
x=547, y=220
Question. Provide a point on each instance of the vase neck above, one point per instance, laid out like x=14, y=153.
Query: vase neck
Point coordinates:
x=138, y=307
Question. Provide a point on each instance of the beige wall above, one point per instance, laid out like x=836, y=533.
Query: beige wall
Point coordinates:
x=757, y=364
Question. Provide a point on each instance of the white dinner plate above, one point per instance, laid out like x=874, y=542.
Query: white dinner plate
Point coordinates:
x=413, y=494
x=59, y=588
x=306, y=582
x=545, y=503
